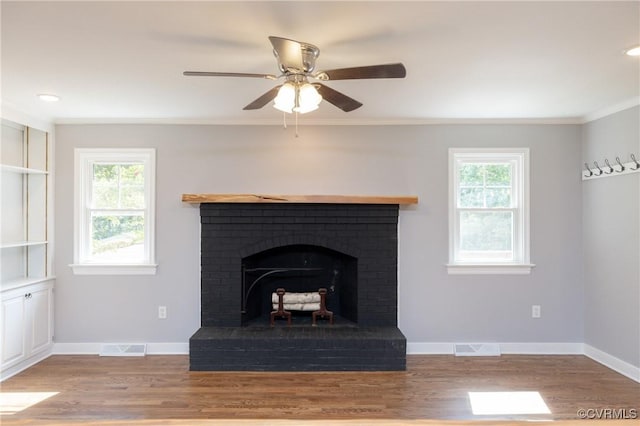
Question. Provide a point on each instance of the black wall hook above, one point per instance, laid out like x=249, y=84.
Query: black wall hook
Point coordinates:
x=633, y=157
x=589, y=170
x=620, y=164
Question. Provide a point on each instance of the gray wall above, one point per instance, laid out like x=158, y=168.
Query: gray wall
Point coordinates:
x=611, y=233
x=374, y=160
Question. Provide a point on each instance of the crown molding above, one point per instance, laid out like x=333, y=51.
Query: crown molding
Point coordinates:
x=11, y=112
x=312, y=121
x=610, y=110
x=302, y=122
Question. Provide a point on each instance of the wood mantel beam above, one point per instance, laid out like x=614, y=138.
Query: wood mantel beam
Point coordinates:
x=311, y=199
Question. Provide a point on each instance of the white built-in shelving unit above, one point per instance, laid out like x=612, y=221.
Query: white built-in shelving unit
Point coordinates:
x=26, y=280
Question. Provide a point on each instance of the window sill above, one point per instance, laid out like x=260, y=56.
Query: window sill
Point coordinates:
x=489, y=269
x=96, y=269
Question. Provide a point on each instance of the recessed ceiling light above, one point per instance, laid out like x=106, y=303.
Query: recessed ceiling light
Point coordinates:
x=47, y=97
x=634, y=51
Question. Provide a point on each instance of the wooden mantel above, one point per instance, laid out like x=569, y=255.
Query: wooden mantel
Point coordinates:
x=312, y=199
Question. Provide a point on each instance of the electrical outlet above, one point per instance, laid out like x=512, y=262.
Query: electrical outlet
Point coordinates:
x=535, y=311
x=162, y=312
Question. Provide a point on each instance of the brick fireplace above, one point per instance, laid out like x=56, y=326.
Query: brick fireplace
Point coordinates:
x=249, y=249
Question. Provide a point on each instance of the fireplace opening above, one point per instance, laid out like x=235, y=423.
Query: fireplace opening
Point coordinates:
x=299, y=269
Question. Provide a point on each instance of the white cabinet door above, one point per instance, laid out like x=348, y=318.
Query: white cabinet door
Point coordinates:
x=27, y=322
x=13, y=326
x=39, y=313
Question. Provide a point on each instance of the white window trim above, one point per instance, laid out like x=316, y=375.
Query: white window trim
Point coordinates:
x=519, y=266
x=85, y=156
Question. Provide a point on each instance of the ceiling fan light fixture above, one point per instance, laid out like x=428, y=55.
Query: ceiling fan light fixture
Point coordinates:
x=297, y=97
x=308, y=99
x=285, y=101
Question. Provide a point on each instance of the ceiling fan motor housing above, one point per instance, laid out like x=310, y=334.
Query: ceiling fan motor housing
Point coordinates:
x=309, y=55
x=294, y=57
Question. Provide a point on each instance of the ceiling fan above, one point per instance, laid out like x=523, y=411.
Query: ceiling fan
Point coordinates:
x=297, y=63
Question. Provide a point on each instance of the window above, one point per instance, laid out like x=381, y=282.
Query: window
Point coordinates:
x=489, y=211
x=114, y=211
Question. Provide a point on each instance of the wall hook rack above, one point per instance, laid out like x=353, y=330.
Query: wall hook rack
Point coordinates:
x=617, y=169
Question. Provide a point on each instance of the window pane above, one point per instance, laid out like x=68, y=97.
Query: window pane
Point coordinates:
x=117, y=237
x=471, y=197
x=105, y=186
x=471, y=175
x=132, y=197
x=105, y=174
x=486, y=235
x=498, y=174
x=498, y=197
x=132, y=174
x=104, y=197
x=118, y=186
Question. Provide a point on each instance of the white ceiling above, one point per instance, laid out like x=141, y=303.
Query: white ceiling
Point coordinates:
x=123, y=61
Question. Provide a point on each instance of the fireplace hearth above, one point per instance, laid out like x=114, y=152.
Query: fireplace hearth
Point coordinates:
x=249, y=250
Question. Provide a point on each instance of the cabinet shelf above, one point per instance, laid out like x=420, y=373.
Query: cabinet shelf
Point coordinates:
x=22, y=170
x=22, y=244
x=22, y=282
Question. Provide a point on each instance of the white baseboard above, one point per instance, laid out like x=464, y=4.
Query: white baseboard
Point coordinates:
x=21, y=366
x=616, y=364
x=542, y=348
x=162, y=348
x=171, y=348
x=524, y=348
x=76, y=348
x=429, y=348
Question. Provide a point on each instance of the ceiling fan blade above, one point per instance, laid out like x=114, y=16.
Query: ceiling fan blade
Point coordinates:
x=228, y=74
x=372, y=71
x=264, y=99
x=338, y=99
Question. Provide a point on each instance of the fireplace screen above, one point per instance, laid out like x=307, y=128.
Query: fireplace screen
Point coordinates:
x=299, y=269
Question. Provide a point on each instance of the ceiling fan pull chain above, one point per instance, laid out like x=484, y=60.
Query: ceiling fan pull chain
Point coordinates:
x=296, y=124
x=284, y=120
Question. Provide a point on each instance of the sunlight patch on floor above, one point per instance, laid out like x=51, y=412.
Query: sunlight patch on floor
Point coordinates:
x=505, y=403
x=14, y=402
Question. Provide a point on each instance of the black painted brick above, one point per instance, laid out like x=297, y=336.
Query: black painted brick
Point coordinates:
x=290, y=349
x=232, y=231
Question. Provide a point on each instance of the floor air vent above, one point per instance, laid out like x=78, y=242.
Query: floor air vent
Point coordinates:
x=476, y=349
x=119, y=349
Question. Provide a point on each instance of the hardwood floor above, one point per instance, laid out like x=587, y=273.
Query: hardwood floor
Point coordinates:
x=156, y=390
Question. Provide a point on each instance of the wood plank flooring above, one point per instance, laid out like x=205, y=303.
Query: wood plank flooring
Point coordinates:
x=159, y=390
